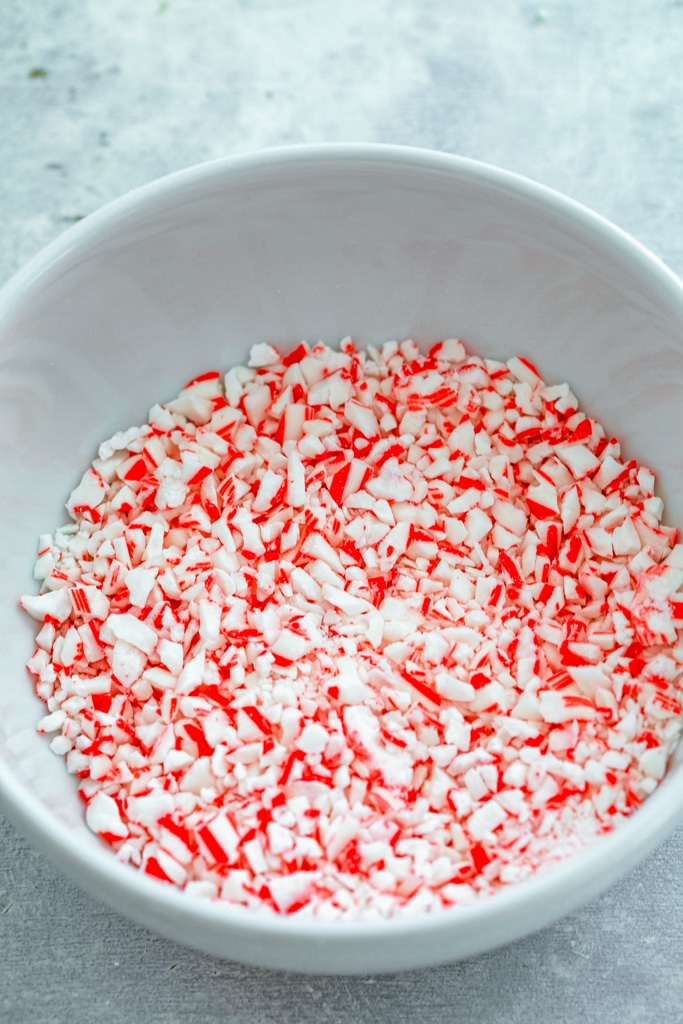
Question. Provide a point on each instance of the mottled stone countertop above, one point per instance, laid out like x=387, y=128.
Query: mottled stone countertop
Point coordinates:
x=99, y=96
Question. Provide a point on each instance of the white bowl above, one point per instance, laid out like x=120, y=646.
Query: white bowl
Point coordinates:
x=313, y=242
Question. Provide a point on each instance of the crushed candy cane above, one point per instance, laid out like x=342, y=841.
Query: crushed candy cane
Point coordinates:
x=353, y=634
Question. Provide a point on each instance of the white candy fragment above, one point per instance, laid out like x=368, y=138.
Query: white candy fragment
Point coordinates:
x=140, y=582
x=524, y=371
x=486, y=819
x=53, y=722
x=103, y=816
x=126, y=626
x=90, y=602
x=88, y=495
x=579, y=459
x=555, y=707
x=362, y=418
x=290, y=646
x=149, y=809
x=289, y=890
x=263, y=355
x=313, y=739
x=127, y=662
x=56, y=604
x=296, y=482
x=272, y=484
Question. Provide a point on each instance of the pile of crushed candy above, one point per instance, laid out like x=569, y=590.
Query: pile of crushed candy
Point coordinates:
x=351, y=634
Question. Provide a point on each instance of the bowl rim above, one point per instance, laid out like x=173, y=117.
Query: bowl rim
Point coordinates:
x=160, y=191
x=589, y=870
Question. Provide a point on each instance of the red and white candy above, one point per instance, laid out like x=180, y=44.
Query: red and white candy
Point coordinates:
x=360, y=633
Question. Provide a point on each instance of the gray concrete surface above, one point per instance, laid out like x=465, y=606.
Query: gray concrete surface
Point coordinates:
x=99, y=96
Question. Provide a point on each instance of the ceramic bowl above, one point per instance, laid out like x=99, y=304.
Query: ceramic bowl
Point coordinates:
x=314, y=242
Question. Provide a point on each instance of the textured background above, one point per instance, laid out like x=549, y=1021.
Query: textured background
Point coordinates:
x=99, y=96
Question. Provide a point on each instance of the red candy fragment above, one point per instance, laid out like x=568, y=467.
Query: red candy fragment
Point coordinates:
x=349, y=634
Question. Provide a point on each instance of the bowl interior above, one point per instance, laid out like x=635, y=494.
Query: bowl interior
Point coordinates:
x=185, y=275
